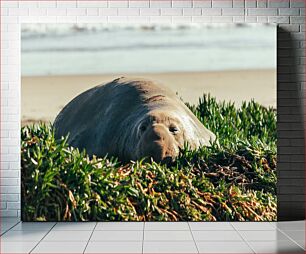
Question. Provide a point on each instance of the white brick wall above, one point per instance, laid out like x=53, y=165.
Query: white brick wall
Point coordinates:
x=288, y=13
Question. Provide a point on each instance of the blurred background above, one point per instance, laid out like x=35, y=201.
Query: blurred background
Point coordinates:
x=231, y=62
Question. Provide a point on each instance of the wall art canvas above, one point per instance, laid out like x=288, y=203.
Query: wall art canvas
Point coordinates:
x=148, y=122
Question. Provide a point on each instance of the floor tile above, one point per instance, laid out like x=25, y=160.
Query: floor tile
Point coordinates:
x=276, y=247
x=291, y=225
x=167, y=236
x=69, y=236
x=114, y=247
x=17, y=247
x=60, y=247
x=297, y=235
x=33, y=226
x=119, y=226
x=101, y=236
x=273, y=235
x=211, y=226
x=224, y=247
x=5, y=226
x=253, y=225
x=22, y=236
x=166, y=226
x=216, y=236
x=169, y=247
x=70, y=226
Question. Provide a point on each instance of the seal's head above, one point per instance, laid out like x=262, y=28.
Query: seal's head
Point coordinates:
x=160, y=136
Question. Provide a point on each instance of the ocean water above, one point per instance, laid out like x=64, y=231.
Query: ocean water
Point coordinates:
x=70, y=49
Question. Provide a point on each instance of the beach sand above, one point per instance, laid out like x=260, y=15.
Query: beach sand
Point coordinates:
x=42, y=98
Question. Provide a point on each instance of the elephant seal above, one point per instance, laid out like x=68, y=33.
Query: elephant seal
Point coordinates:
x=131, y=119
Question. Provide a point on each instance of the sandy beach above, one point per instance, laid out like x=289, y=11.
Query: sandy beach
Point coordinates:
x=43, y=97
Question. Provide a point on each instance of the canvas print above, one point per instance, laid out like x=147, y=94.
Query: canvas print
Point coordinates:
x=148, y=122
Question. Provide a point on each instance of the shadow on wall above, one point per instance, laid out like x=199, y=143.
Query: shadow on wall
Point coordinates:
x=290, y=130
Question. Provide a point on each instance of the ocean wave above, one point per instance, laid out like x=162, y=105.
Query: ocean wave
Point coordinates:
x=29, y=31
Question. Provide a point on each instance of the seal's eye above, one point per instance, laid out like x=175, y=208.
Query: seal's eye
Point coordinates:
x=143, y=128
x=173, y=129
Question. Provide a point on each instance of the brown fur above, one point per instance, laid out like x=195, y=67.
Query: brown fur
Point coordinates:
x=131, y=119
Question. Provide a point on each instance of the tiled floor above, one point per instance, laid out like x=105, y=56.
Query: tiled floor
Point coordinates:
x=152, y=237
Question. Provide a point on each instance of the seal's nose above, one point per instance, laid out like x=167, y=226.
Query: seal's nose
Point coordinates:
x=160, y=144
x=158, y=132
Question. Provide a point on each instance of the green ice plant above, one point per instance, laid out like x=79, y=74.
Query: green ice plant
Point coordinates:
x=233, y=179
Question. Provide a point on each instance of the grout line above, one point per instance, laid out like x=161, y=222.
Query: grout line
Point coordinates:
x=247, y=243
x=90, y=237
x=193, y=238
x=42, y=238
x=143, y=232
x=290, y=238
x=10, y=228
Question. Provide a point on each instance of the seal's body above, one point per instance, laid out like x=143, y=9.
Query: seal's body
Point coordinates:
x=130, y=119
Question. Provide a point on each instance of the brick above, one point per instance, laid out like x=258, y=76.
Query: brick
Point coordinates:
x=201, y=19
x=38, y=11
x=108, y=11
x=4, y=11
x=57, y=12
x=139, y=3
x=9, y=213
x=261, y=12
x=160, y=19
x=128, y=11
x=160, y=3
x=202, y=3
x=13, y=205
x=46, y=4
x=278, y=3
x=297, y=3
x=279, y=19
x=290, y=189
x=262, y=19
x=211, y=11
x=76, y=11
x=91, y=19
x=291, y=150
x=171, y=11
x=28, y=4
x=290, y=27
x=92, y=12
x=181, y=3
x=290, y=198
x=239, y=19
x=9, y=4
x=138, y=19
x=9, y=181
x=262, y=4
x=233, y=12
x=222, y=3
x=10, y=189
x=118, y=4
x=238, y=3
x=67, y=19
x=117, y=19
x=248, y=19
x=150, y=12
x=3, y=205
x=66, y=4
x=9, y=197
x=18, y=12
x=297, y=20
x=181, y=19
x=289, y=11
x=192, y=11
x=91, y=4
x=250, y=3
x=9, y=173
x=222, y=19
